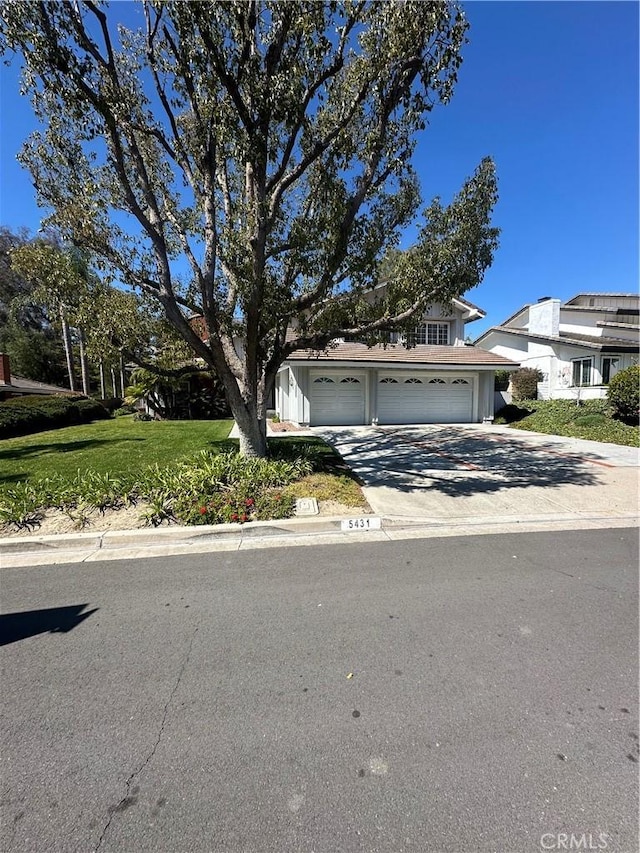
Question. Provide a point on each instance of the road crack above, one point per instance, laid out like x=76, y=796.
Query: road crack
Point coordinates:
x=129, y=795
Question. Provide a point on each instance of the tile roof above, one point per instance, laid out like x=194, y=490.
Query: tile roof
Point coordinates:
x=601, y=293
x=470, y=304
x=593, y=341
x=397, y=353
x=20, y=385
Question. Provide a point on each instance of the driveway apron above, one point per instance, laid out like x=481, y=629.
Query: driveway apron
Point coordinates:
x=451, y=473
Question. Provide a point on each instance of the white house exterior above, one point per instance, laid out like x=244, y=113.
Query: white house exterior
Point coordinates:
x=438, y=380
x=578, y=346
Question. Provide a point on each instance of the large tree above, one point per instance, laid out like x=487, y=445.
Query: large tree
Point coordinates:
x=28, y=331
x=250, y=162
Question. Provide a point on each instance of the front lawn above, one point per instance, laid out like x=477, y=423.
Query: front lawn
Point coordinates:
x=186, y=472
x=116, y=446
x=590, y=420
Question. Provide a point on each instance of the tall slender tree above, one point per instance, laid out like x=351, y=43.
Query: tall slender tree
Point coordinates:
x=264, y=146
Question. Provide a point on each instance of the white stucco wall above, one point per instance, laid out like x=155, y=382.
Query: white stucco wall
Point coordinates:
x=555, y=361
x=486, y=385
x=544, y=317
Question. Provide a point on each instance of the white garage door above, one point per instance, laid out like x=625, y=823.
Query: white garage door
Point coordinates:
x=337, y=399
x=413, y=399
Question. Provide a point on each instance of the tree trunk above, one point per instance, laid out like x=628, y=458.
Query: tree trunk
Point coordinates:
x=253, y=439
x=68, y=349
x=101, y=369
x=123, y=378
x=113, y=383
x=245, y=405
x=84, y=364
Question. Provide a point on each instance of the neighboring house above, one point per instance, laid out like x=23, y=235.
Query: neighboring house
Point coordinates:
x=578, y=346
x=16, y=386
x=439, y=380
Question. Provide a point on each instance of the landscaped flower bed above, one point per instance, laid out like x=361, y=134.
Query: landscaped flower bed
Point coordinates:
x=211, y=488
x=208, y=488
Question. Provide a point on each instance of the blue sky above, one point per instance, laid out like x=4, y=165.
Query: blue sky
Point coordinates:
x=550, y=91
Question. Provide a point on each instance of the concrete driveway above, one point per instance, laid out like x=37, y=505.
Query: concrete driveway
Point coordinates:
x=475, y=473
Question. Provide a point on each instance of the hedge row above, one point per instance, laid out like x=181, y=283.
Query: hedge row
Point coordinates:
x=34, y=413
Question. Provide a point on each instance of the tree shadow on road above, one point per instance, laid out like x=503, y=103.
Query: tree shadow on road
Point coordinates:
x=53, y=620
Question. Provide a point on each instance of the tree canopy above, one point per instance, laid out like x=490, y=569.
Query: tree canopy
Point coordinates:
x=250, y=162
x=28, y=333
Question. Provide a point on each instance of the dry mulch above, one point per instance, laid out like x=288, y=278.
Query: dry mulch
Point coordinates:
x=285, y=426
x=129, y=518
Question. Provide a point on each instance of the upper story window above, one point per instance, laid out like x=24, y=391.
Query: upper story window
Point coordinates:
x=434, y=334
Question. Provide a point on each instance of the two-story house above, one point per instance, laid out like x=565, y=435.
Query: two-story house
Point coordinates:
x=578, y=346
x=439, y=379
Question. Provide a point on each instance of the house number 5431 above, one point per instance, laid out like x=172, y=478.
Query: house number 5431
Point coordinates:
x=369, y=523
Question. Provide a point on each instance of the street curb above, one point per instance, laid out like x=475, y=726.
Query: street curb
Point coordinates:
x=140, y=537
x=113, y=544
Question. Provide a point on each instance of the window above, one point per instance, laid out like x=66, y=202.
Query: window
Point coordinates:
x=419, y=335
x=610, y=366
x=581, y=372
x=460, y=382
x=323, y=379
x=434, y=334
x=413, y=381
x=437, y=382
x=388, y=381
x=438, y=334
x=350, y=380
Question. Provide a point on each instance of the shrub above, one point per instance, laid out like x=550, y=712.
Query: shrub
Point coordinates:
x=624, y=394
x=124, y=410
x=34, y=413
x=91, y=410
x=525, y=383
x=111, y=403
x=510, y=414
x=502, y=378
x=590, y=420
x=215, y=488
x=142, y=416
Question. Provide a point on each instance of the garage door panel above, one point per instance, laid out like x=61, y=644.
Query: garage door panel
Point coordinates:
x=411, y=399
x=337, y=399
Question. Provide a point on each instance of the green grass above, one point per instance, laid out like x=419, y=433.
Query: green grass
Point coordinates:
x=330, y=480
x=118, y=446
x=590, y=420
x=181, y=471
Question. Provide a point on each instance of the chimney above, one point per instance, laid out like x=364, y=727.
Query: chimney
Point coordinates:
x=544, y=317
x=5, y=369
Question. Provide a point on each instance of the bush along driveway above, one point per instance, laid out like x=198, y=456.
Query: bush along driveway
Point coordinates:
x=592, y=420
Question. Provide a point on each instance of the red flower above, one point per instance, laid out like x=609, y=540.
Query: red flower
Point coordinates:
x=278, y=497
x=203, y=509
x=249, y=502
x=244, y=518
x=234, y=517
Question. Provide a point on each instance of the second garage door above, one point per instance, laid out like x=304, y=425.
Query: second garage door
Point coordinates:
x=411, y=399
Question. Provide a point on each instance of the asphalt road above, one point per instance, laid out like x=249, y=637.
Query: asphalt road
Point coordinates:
x=471, y=694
